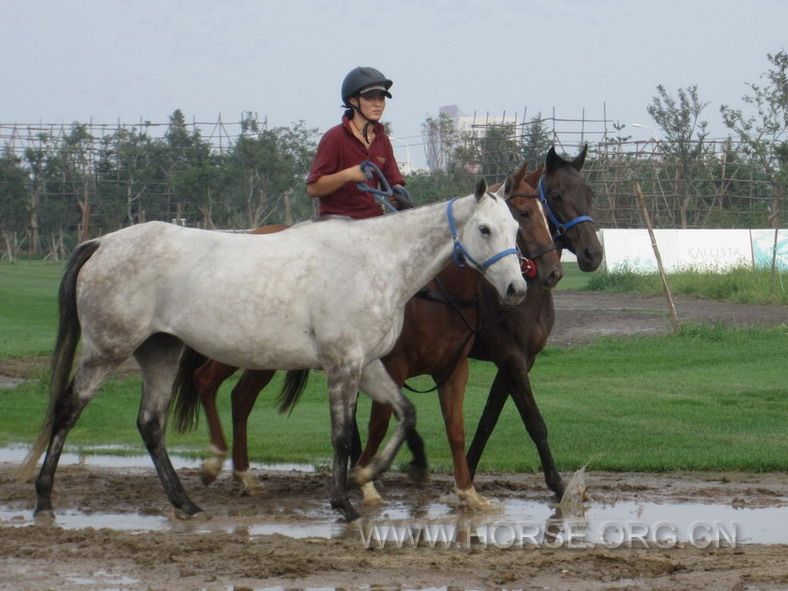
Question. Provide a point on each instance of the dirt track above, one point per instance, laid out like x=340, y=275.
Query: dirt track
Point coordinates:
x=224, y=550
x=228, y=555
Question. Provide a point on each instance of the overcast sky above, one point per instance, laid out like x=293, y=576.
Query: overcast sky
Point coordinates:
x=111, y=60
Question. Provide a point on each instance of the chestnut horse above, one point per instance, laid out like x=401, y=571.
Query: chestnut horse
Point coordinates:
x=439, y=329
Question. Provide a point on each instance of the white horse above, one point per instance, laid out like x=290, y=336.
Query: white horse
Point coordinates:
x=328, y=295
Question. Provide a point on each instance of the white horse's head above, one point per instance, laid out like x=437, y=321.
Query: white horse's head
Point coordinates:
x=490, y=238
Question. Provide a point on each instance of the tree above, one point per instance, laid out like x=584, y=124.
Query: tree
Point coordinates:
x=685, y=135
x=193, y=173
x=72, y=164
x=537, y=139
x=127, y=171
x=35, y=158
x=764, y=135
x=441, y=140
x=269, y=167
x=13, y=193
x=500, y=152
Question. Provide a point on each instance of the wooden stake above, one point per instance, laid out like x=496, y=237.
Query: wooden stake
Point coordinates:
x=674, y=319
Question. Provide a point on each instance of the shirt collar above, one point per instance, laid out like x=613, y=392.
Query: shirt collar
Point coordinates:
x=377, y=127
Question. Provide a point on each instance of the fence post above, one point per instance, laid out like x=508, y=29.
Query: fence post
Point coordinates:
x=674, y=319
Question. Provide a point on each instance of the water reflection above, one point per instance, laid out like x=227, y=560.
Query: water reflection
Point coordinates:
x=513, y=522
x=111, y=459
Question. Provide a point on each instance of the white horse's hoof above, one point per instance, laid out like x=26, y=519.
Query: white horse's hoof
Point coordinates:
x=360, y=476
x=370, y=494
x=473, y=500
x=252, y=486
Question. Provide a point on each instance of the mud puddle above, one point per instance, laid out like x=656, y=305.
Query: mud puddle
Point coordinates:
x=509, y=523
x=120, y=458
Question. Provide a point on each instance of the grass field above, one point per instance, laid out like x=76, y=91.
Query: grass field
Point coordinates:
x=742, y=286
x=710, y=398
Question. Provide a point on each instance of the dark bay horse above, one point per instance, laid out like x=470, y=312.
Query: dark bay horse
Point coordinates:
x=522, y=333
x=438, y=331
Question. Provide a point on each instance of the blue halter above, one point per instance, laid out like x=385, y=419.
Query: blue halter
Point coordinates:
x=560, y=228
x=460, y=255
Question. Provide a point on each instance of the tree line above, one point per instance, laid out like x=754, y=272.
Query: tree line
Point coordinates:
x=65, y=187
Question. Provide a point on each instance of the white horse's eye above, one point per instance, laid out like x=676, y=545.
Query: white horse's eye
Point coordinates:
x=484, y=230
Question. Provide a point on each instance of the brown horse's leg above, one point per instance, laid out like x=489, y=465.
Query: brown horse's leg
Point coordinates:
x=499, y=391
x=379, y=418
x=243, y=398
x=207, y=379
x=529, y=412
x=452, y=394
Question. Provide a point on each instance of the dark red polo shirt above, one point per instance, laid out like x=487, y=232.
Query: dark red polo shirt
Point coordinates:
x=340, y=149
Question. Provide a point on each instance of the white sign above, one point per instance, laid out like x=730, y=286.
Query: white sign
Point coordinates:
x=681, y=250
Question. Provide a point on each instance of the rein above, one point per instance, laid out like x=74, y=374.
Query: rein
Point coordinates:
x=381, y=195
x=560, y=228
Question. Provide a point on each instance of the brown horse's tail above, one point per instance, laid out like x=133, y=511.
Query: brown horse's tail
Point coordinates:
x=184, y=391
x=293, y=387
x=68, y=333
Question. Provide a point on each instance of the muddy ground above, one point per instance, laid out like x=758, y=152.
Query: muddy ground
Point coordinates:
x=226, y=549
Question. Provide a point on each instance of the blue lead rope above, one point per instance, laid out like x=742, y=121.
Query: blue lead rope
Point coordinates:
x=460, y=255
x=380, y=195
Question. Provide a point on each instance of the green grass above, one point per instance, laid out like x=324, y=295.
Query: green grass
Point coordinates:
x=28, y=307
x=708, y=399
x=574, y=279
x=742, y=286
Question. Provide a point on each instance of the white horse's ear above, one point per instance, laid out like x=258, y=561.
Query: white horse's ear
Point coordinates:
x=507, y=187
x=481, y=189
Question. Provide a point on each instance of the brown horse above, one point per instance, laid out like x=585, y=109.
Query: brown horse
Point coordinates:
x=439, y=329
x=418, y=349
x=511, y=337
x=514, y=343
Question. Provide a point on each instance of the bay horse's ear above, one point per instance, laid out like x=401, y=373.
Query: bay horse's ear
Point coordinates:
x=481, y=189
x=552, y=161
x=518, y=176
x=577, y=163
x=533, y=178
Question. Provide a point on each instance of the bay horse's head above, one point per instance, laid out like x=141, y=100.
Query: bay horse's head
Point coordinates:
x=568, y=198
x=535, y=241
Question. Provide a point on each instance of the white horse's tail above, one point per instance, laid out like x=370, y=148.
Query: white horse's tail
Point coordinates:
x=69, y=331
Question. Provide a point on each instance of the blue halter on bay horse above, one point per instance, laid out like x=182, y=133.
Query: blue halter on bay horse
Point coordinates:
x=440, y=325
x=328, y=295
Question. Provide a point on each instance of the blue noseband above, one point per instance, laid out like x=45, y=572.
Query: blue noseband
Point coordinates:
x=460, y=255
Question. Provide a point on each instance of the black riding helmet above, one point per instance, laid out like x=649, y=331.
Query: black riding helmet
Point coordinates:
x=361, y=78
